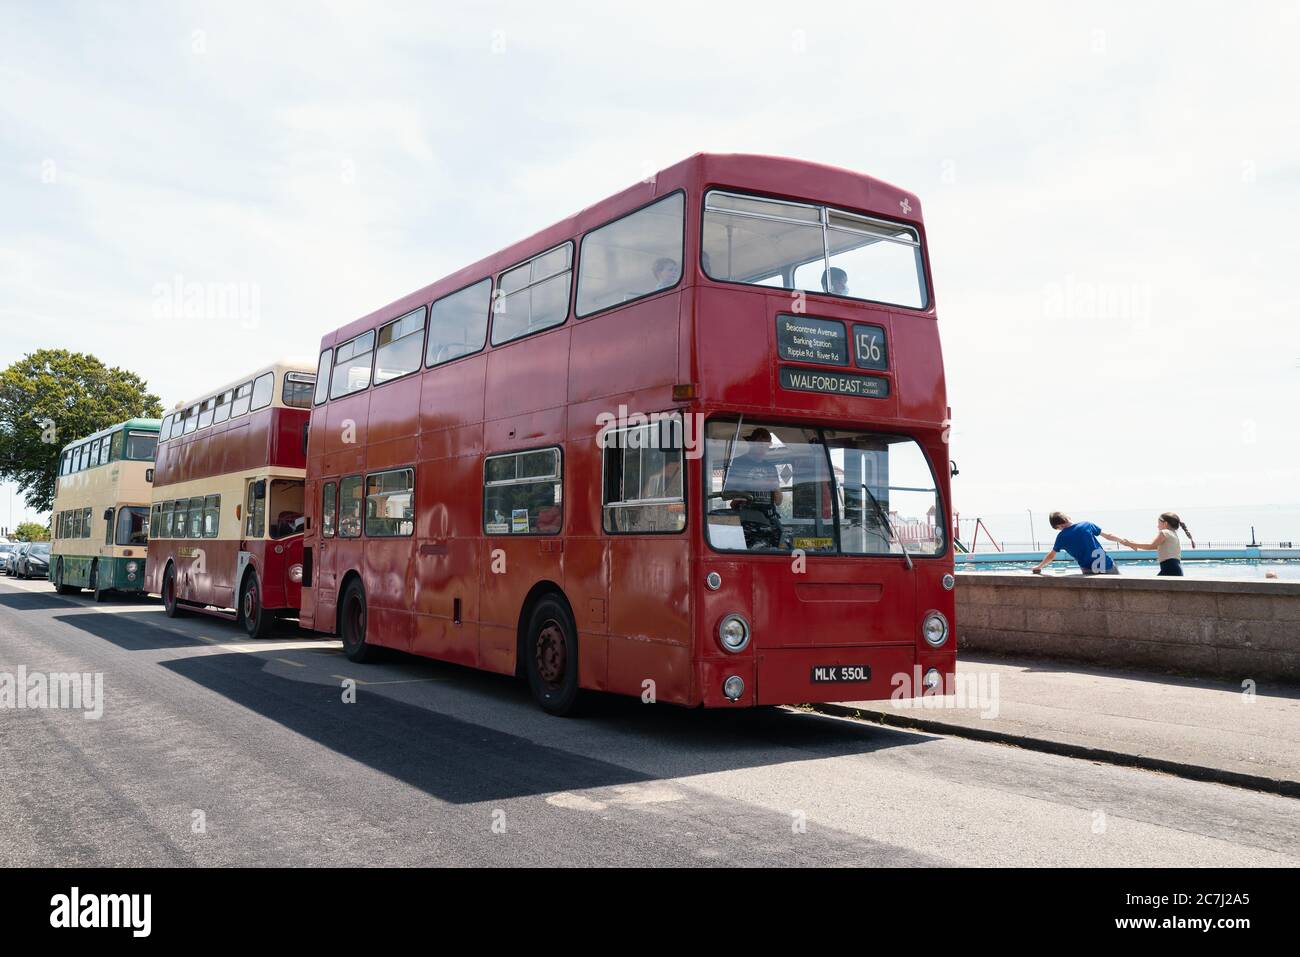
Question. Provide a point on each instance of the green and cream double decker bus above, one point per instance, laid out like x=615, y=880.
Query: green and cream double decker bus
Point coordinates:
x=100, y=524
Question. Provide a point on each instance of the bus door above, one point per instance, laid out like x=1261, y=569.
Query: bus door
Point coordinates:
x=341, y=511
x=252, y=532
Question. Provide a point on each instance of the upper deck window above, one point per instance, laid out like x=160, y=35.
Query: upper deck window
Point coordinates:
x=631, y=257
x=141, y=446
x=323, y=376
x=533, y=295
x=814, y=248
x=263, y=391
x=400, y=345
x=352, y=365
x=297, y=389
x=243, y=395
x=222, y=412
x=458, y=323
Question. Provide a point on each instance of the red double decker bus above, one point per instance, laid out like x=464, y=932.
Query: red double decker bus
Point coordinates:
x=226, y=522
x=687, y=444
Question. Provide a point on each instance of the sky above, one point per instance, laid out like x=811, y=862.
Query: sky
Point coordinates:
x=1110, y=192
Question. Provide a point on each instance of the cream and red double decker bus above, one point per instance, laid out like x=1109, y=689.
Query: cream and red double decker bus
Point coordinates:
x=227, y=509
x=100, y=520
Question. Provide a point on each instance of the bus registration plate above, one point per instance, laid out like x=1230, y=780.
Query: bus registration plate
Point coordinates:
x=822, y=674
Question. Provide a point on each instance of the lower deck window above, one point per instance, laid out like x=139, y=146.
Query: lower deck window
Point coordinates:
x=643, y=479
x=523, y=493
x=390, y=509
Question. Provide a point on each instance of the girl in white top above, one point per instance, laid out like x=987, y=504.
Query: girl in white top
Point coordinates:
x=1169, y=551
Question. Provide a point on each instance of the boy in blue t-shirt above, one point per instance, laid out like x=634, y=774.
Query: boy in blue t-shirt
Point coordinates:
x=1079, y=539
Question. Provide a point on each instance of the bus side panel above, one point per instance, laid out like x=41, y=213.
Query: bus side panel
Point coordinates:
x=649, y=615
x=528, y=559
x=446, y=559
x=733, y=350
x=921, y=390
x=387, y=574
x=586, y=584
x=630, y=348
x=525, y=379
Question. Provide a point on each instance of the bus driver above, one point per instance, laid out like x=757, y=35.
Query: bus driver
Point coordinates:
x=753, y=478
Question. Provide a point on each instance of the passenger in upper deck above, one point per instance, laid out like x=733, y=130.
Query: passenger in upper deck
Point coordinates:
x=666, y=272
x=839, y=281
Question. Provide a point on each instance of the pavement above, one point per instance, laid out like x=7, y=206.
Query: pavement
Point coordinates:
x=213, y=749
x=1200, y=728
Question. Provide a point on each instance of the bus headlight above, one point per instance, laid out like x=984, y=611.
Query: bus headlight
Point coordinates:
x=733, y=632
x=935, y=629
x=948, y=582
x=295, y=573
x=733, y=687
x=932, y=679
x=132, y=567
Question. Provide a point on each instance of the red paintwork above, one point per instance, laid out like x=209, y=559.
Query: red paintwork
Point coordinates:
x=639, y=602
x=269, y=438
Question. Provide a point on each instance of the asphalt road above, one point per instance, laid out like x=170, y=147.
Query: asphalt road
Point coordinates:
x=216, y=750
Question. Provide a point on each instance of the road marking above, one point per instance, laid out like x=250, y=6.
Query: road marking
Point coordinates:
x=398, y=681
x=575, y=802
x=289, y=661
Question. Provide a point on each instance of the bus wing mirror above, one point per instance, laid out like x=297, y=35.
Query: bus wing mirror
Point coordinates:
x=108, y=514
x=953, y=471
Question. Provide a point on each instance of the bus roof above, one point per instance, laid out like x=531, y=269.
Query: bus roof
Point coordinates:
x=141, y=425
x=769, y=175
x=278, y=367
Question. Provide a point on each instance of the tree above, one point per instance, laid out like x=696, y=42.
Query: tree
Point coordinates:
x=52, y=397
x=31, y=532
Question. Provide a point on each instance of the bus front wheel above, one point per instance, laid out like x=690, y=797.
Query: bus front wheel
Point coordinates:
x=59, y=587
x=171, y=604
x=551, y=657
x=257, y=621
x=99, y=593
x=352, y=625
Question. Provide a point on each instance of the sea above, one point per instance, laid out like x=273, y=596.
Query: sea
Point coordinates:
x=1220, y=526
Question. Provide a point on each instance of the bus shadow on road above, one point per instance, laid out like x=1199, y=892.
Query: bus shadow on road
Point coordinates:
x=128, y=632
x=29, y=601
x=465, y=762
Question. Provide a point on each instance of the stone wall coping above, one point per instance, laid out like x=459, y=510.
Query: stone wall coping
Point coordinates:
x=1212, y=586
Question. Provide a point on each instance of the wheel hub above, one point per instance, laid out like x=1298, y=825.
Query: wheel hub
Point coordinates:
x=551, y=654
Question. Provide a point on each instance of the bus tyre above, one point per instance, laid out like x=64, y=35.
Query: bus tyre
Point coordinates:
x=171, y=604
x=352, y=625
x=551, y=657
x=99, y=593
x=257, y=621
x=59, y=587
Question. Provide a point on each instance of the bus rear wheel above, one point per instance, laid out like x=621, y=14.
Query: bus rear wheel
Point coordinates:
x=59, y=587
x=257, y=621
x=352, y=625
x=171, y=604
x=99, y=593
x=551, y=657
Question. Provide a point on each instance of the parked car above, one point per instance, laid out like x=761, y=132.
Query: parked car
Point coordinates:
x=6, y=549
x=35, y=561
x=11, y=566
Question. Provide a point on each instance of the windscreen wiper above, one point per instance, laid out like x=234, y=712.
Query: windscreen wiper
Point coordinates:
x=726, y=469
x=888, y=527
